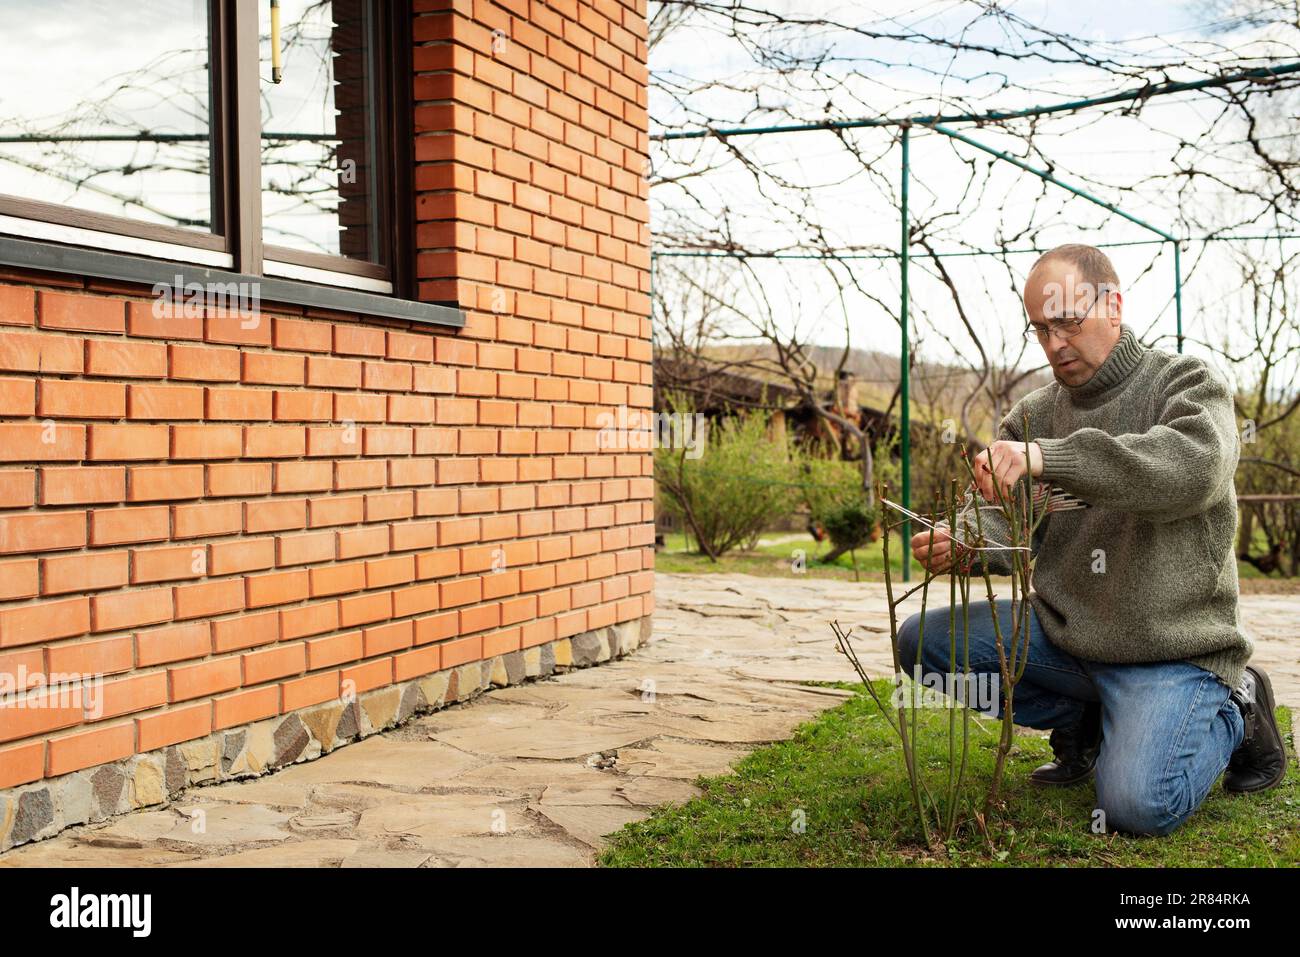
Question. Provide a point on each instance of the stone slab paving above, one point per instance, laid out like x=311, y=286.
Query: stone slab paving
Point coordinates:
x=538, y=774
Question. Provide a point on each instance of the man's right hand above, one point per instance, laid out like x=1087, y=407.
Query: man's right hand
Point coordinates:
x=939, y=558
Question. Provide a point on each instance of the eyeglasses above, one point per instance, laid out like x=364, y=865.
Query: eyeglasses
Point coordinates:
x=1065, y=328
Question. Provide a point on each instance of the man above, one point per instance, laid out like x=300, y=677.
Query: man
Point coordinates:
x=1137, y=661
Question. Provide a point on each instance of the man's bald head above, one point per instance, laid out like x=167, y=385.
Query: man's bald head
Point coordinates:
x=1074, y=284
x=1091, y=268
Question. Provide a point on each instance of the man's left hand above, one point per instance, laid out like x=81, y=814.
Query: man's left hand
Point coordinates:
x=1004, y=463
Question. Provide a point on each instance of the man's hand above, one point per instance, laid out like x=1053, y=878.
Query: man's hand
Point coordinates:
x=939, y=558
x=1004, y=463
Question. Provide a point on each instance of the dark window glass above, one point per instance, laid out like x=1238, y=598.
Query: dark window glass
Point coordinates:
x=318, y=131
x=106, y=107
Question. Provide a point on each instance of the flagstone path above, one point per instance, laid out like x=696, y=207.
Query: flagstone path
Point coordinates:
x=537, y=774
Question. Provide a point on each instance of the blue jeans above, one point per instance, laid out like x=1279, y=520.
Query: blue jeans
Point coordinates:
x=1168, y=728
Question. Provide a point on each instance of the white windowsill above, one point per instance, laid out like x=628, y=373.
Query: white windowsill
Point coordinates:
x=326, y=277
x=59, y=233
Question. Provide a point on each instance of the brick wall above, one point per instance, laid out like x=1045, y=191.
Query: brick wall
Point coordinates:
x=233, y=521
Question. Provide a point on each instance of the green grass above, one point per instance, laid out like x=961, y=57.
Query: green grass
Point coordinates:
x=843, y=769
x=678, y=556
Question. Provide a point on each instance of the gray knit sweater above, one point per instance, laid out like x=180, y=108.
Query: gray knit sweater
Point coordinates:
x=1147, y=572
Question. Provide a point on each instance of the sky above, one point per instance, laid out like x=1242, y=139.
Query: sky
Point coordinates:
x=1115, y=153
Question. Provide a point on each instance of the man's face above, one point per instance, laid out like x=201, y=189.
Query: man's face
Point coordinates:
x=1055, y=291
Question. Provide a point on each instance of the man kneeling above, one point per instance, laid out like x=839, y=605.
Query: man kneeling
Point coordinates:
x=1136, y=661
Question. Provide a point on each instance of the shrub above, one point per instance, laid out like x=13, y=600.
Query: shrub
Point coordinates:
x=740, y=483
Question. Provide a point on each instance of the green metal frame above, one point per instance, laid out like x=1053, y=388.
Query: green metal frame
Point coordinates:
x=934, y=123
x=905, y=388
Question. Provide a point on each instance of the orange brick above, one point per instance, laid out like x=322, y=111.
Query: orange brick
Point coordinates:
x=246, y=631
x=241, y=478
x=203, y=679
x=272, y=663
x=174, y=563
x=18, y=397
x=154, y=483
x=415, y=599
x=46, y=621
x=303, y=406
x=275, y=515
x=356, y=542
x=207, y=441
x=501, y=642
x=85, y=749
x=307, y=620
x=271, y=369
x=244, y=707
x=22, y=764
x=130, y=694
x=359, y=340
x=360, y=474
x=159, y=319
x=313, y=689
x=127, y=360
x=365, y=609
x=390, y=571
x=80, y=486
x=105, y=656
x=305, y=549
x=209, y=598
x=387, y=376
x=164, y=401
x=239, y=405
x=366, y=677
x=126, y=442
x=174, y=726
x=274, y=441
x=41, y=713
x=332, y=373
x=302, y=335
x=41, y=531
x=245, y=555
x=414, y=664
x=385, y=638
x=480, y=618
x=17, y=308
x=278, y=588
x=337, y=579
x=19, y=579
x=176, y=643
x=252, y=329
x=36, y=442
x=202, y=364
x=17, y=488
x=71, y=573
x=436, y=627
x=335, y=650
x=462, y=651
x=131, y=609
x=60, y=310
x=120, y=526
x=303, y=476
x=81, y=400
x=41, y=352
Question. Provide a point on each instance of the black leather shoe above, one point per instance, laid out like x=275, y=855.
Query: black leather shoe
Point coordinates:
x=1259, y=763
x=1076, y=749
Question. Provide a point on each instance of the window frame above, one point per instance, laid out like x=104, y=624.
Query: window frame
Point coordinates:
x=235, y=245
x=217, y=240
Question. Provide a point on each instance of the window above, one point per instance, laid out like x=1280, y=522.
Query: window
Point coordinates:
x=160, y=128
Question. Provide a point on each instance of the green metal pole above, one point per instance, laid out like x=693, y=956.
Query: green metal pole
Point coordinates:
x=1145, y=92
x=1178, y=292
x=903, y=363
x=1044, y=175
